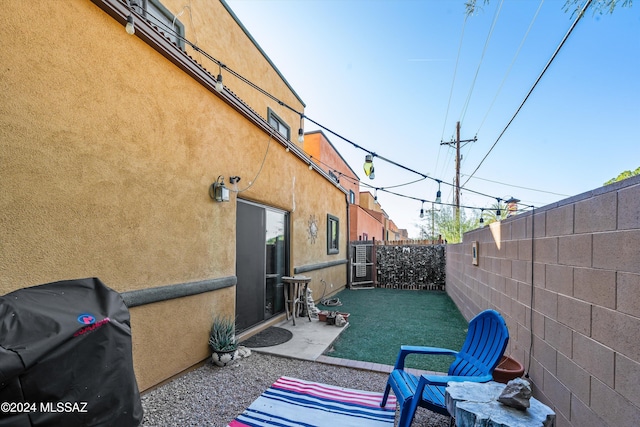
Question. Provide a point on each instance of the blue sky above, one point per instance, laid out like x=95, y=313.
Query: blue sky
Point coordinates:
x=381, y=74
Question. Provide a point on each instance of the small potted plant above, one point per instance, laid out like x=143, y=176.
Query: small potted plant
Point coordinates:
x=222, y=340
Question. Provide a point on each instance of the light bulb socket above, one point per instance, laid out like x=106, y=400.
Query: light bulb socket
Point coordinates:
x=439, y=197
x=300, y=135
x=421, y=213
x=219, y=85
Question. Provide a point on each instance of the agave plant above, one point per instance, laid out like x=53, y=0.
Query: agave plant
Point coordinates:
x=222, y=337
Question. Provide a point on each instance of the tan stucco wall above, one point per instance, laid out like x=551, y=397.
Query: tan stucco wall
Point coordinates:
x=107, y=151
x=161, y=349
x=304, y=249
x=218, y=34
x=584, y=290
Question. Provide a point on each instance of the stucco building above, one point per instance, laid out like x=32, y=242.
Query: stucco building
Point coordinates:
x=109, y=145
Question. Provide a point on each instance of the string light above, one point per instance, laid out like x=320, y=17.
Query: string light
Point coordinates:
x=422, y=210
x=130, y=27
x=219, y=86
x=386, y=189
x=368, y=166
x=300, y=131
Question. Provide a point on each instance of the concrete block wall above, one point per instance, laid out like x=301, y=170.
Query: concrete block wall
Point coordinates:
x=577, y=262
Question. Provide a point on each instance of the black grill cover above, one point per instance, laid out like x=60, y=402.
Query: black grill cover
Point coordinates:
x=65, y=357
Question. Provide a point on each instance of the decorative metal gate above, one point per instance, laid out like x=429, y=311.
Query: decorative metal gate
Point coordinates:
x=362, y=260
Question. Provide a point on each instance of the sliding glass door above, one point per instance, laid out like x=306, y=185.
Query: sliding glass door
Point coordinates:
x=262, y=256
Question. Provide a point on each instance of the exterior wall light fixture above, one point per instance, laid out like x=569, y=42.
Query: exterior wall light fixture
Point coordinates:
x=368, y=166
x=217, y=190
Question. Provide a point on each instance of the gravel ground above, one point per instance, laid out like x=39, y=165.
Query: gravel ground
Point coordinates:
x=213, y=396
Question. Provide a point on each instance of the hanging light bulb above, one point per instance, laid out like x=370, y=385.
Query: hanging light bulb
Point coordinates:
x=422, y=210
x=300, y=131
x=219, y=85
x=368, y=166
x=439, y=193
x=498, y=212
x=375, y=195
x=481, y=216
x=130, y=27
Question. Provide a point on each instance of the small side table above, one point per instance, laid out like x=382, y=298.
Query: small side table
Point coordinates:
x=295, y=295
x=474, y=404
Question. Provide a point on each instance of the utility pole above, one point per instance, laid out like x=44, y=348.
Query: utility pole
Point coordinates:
x=457, y=143
x=433, y=222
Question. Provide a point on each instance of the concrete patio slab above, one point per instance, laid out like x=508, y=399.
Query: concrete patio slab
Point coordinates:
x=310, y=339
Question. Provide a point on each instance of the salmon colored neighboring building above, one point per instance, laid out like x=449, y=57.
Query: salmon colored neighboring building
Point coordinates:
x=367, y=220
x=323, y=153
x=370, y=219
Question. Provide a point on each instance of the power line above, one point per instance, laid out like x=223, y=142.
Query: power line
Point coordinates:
x=484, y=50
x=517, y=186
x=546, y=67
x=446, y=117
x=504, y=79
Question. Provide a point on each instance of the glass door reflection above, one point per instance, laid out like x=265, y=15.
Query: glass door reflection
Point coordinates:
x=276, y=238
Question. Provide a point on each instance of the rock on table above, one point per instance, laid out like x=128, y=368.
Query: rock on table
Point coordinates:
x=476, y=404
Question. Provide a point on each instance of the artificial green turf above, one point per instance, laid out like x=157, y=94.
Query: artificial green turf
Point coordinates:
x=381, y=320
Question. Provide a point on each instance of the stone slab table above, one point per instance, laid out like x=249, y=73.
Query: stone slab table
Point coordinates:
x=476, y=405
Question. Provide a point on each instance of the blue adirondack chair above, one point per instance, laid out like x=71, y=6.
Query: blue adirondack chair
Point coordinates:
x=483, y=347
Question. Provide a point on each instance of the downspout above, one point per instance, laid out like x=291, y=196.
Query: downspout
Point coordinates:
x=348, y=255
